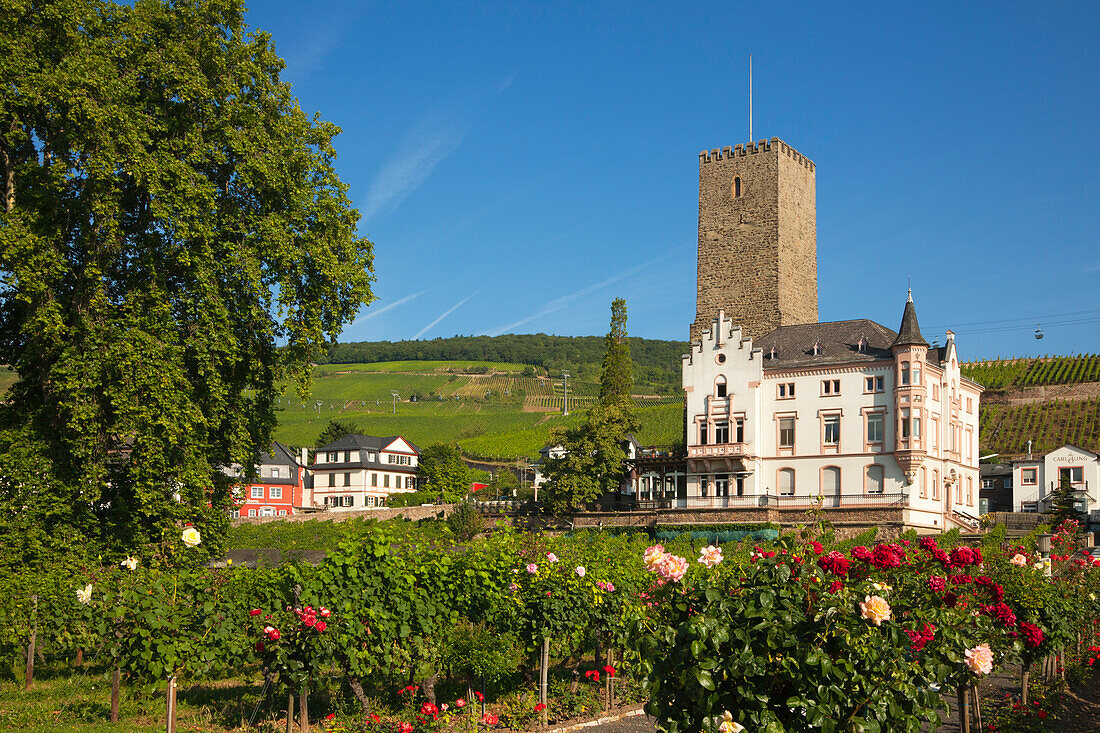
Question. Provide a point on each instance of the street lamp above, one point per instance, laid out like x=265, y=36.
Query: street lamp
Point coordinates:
x=394, y=402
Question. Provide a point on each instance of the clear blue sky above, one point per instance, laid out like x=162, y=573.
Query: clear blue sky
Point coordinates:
x=518, y=165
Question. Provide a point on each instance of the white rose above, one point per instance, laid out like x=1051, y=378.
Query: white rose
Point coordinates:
x=130, y=563
x=84, y=595
x=191, y=537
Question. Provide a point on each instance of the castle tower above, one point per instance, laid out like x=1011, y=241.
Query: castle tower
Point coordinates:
x=757, y=238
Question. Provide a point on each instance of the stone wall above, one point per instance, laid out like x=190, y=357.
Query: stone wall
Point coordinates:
x=412, y=512
x=757, y=255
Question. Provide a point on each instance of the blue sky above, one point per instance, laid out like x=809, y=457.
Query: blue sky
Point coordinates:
x=518, y=165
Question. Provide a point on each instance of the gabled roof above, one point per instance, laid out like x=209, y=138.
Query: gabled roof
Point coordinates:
x=909, y=332
x=280, y=455
x=356, y=442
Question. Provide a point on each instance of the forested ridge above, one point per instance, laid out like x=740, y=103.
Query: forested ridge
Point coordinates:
x=656, y=363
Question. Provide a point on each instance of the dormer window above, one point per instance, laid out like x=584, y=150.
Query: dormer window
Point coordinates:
x=862, y=345
x=817, y=348
x=771, y=354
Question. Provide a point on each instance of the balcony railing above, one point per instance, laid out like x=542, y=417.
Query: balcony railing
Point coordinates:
x=766, y=500
x=717, y=450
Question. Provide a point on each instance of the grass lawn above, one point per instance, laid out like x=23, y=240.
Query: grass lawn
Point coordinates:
x=83, y=703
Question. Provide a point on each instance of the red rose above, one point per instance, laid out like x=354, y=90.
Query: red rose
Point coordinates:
x=308, y=620
x=255, y=612
x=259, y=647
x=480, y=697
x=330, y=716
x=539, y=708
x=324, y=612
x=321, y=626
x=609, y=670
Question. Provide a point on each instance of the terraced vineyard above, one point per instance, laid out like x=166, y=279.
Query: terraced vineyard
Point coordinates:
x=1005, y=373
x=1005, y=429
x=453, y=407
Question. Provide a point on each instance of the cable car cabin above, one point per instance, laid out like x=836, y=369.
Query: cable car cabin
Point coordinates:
x=1039, y=333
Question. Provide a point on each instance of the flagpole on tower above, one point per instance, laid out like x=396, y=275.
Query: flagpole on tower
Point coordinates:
x=750, y=97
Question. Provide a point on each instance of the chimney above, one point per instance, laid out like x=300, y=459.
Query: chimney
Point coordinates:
x=304, y=459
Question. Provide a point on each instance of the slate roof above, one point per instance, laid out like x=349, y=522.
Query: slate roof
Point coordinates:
x=355, y=442
x=837, y=342
x=909, y=331
x=280, y=455
x=360, y=443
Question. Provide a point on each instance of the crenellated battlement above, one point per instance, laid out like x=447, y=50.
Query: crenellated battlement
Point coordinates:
x=752, y=148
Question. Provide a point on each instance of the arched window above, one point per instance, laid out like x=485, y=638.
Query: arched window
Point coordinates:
x=830, y=482
x=922, y=478
x=720, y=386
x=875, y=481
x=786, y=482
x=737, y=187
x=935, y=484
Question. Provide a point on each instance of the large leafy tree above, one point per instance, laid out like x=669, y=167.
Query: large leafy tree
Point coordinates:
x=174, y=241
x=617, y=374
x=442, y=472
x=593, y=462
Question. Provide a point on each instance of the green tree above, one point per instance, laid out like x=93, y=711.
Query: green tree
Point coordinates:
x=174, y=241
x=442, y=471
x=593, y=462
x=504, y=483
x=335, y=430
x=617, y=374
x=1064, y=503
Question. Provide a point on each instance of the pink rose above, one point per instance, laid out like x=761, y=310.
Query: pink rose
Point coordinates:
x=1018, y=559
x=672, y=568
x=532, y=568
x=552, y=557
x=581, y=571
x=980, y=659
x=875, y=609
x=460, y=703
x=653, y=557
x=710, y=556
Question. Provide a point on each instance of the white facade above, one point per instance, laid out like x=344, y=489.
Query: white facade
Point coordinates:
x=359, y=472
x=850, y=412
x=1033, y=480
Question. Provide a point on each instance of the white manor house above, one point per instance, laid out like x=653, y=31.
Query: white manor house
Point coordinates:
x=847, y=413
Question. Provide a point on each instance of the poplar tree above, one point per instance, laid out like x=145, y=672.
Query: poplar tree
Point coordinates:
x=174, y=242
x=617, y=375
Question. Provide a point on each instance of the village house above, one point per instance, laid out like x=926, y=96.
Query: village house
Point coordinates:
x=362, y=472
x=1035, y=478
x=280, y=487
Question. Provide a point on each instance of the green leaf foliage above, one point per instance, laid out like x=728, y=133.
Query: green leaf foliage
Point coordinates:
x=168, y=217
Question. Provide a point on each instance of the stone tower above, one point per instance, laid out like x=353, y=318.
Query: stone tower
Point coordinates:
x=757, y=238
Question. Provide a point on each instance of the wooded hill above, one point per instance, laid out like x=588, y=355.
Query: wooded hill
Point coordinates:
x=656, y=363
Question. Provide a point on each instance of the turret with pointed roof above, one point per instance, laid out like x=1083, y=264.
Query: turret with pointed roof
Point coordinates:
x=909, y=331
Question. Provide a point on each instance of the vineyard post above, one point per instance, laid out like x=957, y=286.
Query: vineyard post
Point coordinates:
x=116, y=679
x=544, y=666
x=964, y=707
x=610, y=680
x=303, y=711
x=31, y=643
x=170, y=706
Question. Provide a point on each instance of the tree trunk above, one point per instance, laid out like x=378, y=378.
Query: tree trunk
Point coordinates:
x=7, y=169
x=290, y=712
x=115, y=684
x=428, y=687
x=1025, y=679
x=79, y=657
x=357, y=690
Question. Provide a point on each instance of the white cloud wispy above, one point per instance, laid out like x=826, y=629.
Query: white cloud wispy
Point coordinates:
x=558, y=303
x=383, y=309
x=432, y=139
x=425, y=147
x=445, y=313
